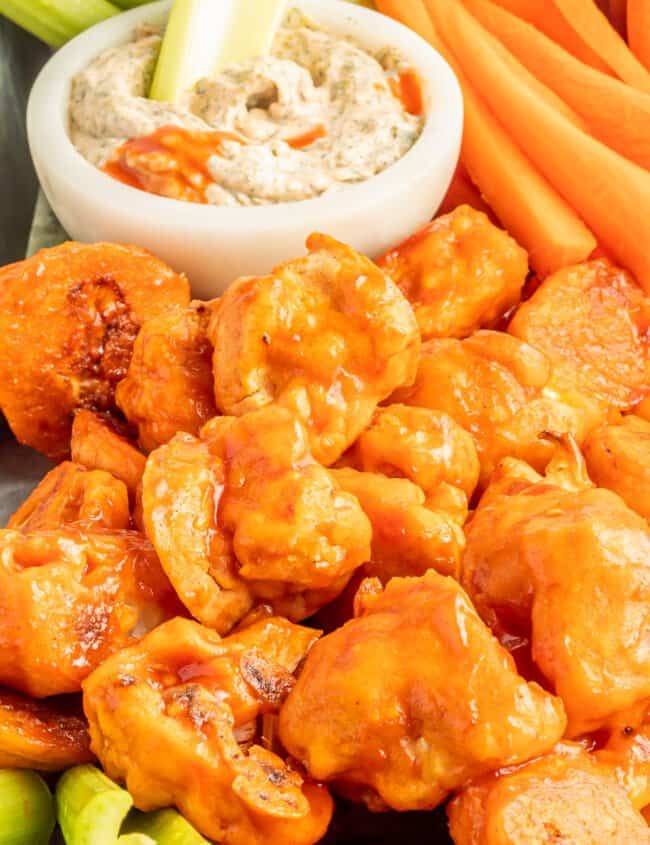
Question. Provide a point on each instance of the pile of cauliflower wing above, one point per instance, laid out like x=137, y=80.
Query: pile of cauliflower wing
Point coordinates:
x=370, y=531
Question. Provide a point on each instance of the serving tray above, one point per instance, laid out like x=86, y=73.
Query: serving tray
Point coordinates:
x=20, y=471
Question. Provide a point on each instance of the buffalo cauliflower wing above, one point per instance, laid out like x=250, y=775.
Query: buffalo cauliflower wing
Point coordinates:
x=169, y=386
x=565, y=798
x=409, y=534
x=413, y=697
x=328, y=336
x=425, y=446
x=202, y=750
x=592, y=321
x=618, y=458
x=246, y=514
x=95, y=444
x=71, y=495
x=504, y=393
x=461, y=273
x=565, y=565
x=47, y=735
x=68, y=319
x=69, y=598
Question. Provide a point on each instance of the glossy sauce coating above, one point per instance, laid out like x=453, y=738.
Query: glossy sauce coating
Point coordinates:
x=618, y=458
x=95, y=444
x=68, y=319
x=565, y=797
x=592, y=321
x=425, y=446
x=504, y=393
x=555, y=559
x=409, y=700
x=246, y=513
x=461, y=273
x=327, y=336
x=70, y=598
x=45, y=735
x=409, y=534
x=168, y=387
x=207, y=694
x=71, y=495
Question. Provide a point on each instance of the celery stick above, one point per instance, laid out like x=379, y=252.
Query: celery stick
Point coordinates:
x=57, y=21
x=26, y=808
x=91, y=808
x=135, y=839
x=166, y=827
x=130, y=4
x=203, y=36
x=51, y=32
x=78, y=15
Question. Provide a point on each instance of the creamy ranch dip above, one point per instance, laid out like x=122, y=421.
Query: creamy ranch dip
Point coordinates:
x=317, y=114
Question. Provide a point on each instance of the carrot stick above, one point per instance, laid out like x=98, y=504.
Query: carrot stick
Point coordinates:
x=638, y=29
x=617, y=13
x=543, y=15
x=594, y=28
x=462, y=191
x=413, y=13
x=611, y=194
x=532, y=211
x=525, y=203
x=615, y=113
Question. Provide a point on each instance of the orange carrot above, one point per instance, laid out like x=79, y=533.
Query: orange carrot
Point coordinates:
x=525, y=203
x=532, y=211
x=615, y=113
x=638, y=29
x=611, y=194
x=617, y=13
x=413, y=13
x=462, y=191
x=543, y=15
x=594, y=28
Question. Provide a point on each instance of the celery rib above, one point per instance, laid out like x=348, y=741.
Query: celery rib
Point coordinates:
x=166, y=827
x=26, y=808
x=57, y=21
x=51, y=32
x=90, y=807
x=203, y=36
x=130, y=4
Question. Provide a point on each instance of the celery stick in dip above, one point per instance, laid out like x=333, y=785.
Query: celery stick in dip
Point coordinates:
x=204, y=36
x=315, y=115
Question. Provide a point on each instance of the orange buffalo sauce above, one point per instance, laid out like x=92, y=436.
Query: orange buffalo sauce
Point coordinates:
x=406, y=87
x=307, y=138
x=171, y=162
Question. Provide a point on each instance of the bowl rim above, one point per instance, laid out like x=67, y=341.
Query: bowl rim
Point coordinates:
x=48, y=107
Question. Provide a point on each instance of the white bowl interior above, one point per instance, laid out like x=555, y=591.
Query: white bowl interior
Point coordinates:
x=212, y=244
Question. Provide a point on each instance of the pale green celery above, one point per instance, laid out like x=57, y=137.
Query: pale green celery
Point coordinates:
x=135, y=839
x=165, y=827
x=202, y=36
x=57, y=21
x=26, y=808
x=21, y=13
x=90, y=807
x=130, y=4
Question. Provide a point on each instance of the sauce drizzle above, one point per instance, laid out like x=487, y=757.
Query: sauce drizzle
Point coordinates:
x=171, y=162
x=307, y=138
x=407, y=89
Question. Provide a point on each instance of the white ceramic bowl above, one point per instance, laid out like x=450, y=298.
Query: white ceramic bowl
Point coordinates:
x=215, y=245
